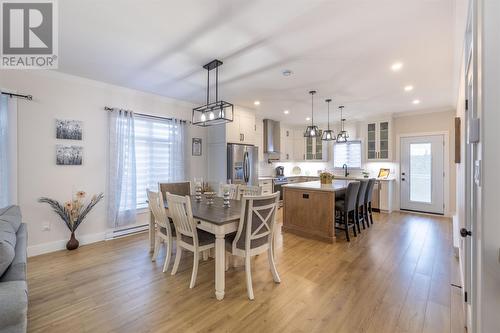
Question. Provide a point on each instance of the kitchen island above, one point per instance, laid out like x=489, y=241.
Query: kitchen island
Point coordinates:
x=309, y=209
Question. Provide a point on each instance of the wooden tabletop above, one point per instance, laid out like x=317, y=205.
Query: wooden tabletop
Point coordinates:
x=215, y=213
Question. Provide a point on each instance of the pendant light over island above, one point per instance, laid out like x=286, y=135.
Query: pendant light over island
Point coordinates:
x=328, y=134
x=343, y=135
x=312, y=131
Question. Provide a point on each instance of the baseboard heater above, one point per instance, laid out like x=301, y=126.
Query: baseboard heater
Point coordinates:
x=127, y=231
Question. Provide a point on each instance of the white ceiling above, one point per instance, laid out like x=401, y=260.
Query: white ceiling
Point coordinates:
x=343, y=49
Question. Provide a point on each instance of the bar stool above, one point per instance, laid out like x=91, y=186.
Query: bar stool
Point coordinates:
x=347, y=209
x=360, y=205
x=368, y=201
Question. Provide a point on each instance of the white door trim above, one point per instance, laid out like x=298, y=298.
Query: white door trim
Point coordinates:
x=446, y=166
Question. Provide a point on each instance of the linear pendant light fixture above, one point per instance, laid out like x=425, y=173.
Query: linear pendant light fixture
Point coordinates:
x=214, y=113
x=343, y=135
x=328, y=134
x=312, y=131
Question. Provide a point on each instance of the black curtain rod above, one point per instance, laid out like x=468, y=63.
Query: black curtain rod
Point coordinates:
x=28, y=97
x=107, y=108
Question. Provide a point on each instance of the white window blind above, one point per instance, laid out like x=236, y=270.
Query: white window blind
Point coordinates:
x=156, y=153
x=347, y=153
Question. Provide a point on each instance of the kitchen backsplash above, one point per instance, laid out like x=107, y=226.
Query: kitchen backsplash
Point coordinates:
x=312, y=168
x=307, y=168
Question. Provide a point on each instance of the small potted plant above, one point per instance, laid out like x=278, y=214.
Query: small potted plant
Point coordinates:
x=325, y=177
x=73, y=212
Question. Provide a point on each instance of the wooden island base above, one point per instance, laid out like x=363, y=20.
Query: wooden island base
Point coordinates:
x=309, y=213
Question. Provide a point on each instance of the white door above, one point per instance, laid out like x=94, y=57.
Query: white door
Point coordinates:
x=422, y=173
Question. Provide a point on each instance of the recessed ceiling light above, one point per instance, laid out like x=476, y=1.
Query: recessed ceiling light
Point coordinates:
x=287, y=72
x=308, y=118
x=256, y=103
x=409, y=88
x=397, y=66
x=286, y=112
x=416, y=101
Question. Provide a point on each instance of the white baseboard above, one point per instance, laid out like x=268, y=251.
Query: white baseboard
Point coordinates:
x=36, y=250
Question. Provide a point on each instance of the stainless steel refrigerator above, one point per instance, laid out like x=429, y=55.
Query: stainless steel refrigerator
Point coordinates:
x=243, y=164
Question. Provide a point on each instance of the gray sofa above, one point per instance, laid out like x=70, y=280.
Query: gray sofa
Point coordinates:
x=13, y=256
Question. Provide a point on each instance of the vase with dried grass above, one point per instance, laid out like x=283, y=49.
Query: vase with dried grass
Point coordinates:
x=73, y=212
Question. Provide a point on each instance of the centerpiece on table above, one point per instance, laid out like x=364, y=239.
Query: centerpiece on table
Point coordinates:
x=73, y=212
x=325, y=177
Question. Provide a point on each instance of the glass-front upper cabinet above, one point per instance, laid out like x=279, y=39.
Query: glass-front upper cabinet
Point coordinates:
x=378, y=140
x=383, y=140
x=309, y=149
x=318, y=153
x=371, y=141
x=315, y=150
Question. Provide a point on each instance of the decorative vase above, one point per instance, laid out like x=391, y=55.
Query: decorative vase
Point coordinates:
x=73, y=243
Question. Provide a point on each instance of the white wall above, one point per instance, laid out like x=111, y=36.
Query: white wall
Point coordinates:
x=430, y=122
x=57, y=95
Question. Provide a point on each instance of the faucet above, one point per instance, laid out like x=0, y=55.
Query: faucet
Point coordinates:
x=344, y=167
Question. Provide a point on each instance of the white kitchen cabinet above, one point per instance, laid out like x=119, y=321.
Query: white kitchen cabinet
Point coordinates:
x=287, y=144
x=298, y=145
x=259, y=137
x=242, y=129
x=378, y=140
x=315, y=149
x=266, y=186
x=386, y=190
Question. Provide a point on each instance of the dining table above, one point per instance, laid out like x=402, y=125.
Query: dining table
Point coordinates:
x=216, y=219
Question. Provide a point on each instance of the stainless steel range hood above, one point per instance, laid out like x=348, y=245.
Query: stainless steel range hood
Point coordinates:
x=272, y=141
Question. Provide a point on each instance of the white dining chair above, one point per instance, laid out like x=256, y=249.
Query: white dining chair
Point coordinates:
x=164, y=231
x=248, y=190
x=232, y=188
x=188, y=236
x=255, y=234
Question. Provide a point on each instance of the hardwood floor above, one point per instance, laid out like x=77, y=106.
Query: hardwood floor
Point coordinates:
x=394, y=277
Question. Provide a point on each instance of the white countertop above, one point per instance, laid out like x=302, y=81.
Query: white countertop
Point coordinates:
x=296, y=176
x=337, y=185
x=363, y=178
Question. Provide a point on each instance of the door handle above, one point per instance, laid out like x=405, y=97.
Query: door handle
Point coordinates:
x=464, y=232
x=245, y=157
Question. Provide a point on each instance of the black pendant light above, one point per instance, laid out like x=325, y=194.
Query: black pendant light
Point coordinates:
x=213, y=113
x=312, y=131
x=328, y=134
x=343, y=135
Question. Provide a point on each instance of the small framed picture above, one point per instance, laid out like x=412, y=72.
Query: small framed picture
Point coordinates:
x=69, y=155
x=69, y=129
x=196, y=149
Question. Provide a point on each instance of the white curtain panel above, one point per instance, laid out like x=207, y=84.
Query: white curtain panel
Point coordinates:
x=177, y=162
x=122, y=187
x=4, y=152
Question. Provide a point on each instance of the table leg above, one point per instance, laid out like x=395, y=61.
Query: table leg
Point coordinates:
x=151, y=232
x=219, y=266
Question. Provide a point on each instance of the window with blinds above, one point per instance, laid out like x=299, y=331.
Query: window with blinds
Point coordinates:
x=347, y=153
x=154, y=140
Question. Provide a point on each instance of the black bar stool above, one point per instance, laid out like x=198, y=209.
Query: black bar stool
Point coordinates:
x=346, y=210
x=360, y=205
x=368, y=201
